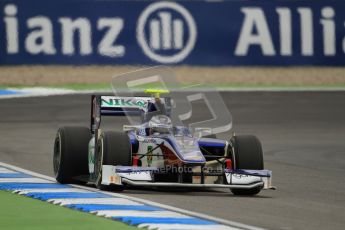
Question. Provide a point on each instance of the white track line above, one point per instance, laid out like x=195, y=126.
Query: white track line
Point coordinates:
x=171, y=208
x=55, y=190
x=24, y=180
x=4, y=170
x=125, y=213
x=186, y=226
x=115, y=201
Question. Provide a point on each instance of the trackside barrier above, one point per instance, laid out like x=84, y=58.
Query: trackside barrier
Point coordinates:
x=212, y=33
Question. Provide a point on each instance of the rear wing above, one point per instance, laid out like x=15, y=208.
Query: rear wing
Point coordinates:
x=121, y=106
x=102, y=105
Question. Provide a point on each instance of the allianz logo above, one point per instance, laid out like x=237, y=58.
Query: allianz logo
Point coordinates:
x=160, y=27
x=172, y=31
x=166, y=33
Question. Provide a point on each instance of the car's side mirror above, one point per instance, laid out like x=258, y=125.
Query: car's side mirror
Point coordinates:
x=202, y=131
x=127, y=128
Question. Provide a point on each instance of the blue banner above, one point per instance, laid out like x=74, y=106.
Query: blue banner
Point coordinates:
x=82, y=32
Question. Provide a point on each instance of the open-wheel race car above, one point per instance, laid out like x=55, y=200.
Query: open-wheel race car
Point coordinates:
x=156, y=152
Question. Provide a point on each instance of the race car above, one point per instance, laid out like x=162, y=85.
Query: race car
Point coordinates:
x=156, y=152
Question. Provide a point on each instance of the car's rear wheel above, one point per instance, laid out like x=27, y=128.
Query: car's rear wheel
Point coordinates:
x=248, y=155
x=113, y=148
x=71, y=153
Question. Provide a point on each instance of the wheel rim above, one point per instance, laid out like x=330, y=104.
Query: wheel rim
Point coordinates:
x=57, y=154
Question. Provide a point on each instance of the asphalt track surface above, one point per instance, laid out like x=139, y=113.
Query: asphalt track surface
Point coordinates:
x=303, y=136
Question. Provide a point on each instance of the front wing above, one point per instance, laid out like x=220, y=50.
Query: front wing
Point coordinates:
x=143, y=176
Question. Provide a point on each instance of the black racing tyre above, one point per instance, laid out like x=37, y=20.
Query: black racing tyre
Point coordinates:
x=248, y=155
x=71, y=153
x=113, y=148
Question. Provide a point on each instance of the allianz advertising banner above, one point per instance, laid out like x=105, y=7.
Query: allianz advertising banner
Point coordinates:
x=266, y=32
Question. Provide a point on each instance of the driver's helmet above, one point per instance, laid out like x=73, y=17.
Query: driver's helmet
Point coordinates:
x=160, y=124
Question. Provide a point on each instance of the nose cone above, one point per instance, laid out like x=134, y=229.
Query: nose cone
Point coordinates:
x=188, y=150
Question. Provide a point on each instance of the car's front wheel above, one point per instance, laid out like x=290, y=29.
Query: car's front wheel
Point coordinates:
x=113, y=148
x=248, y=155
